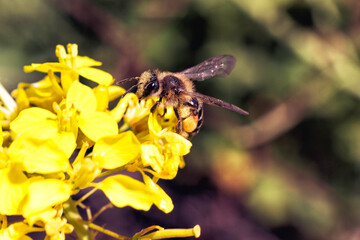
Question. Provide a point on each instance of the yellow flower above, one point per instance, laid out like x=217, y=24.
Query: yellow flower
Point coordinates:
x=94, y=124
x=52, y=222
x=42, y=124
x=133, y=111
x=57, y=228
x=163, y=150
x=77, y=110
x=71, y=65
x=116, y=151
x=52, y=88
x=85, y=170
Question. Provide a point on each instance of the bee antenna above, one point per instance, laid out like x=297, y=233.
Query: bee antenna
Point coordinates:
x=118, y=82
x=130, y=89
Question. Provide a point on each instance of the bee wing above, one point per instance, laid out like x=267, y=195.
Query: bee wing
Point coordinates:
x=217, y=102
x=220, y=66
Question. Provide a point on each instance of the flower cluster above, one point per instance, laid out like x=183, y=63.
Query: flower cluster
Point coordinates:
x=58, y=136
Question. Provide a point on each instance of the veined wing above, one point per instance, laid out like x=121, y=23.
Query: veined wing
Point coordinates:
x=217, y=102
x=219, y=66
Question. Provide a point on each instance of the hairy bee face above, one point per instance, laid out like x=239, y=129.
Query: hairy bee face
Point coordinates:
x=148, y=85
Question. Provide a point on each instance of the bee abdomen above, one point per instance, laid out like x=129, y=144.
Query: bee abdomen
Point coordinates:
x=191, y=117
x=200, y=121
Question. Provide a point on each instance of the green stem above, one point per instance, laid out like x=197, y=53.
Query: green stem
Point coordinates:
x=108, y=232
x=80, y=226
x=103, y=174
x=85, y=196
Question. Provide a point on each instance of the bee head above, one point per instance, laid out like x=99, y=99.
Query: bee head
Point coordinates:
x=148, y=85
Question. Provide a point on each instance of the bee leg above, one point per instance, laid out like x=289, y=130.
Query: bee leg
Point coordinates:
x=153, y=108
x=179, y=123
x=165, y=110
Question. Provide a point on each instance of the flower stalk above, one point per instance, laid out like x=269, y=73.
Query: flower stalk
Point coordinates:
x=80, y=226
x=108, y=232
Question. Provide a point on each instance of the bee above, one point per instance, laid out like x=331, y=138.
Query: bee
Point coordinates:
x=176, y=90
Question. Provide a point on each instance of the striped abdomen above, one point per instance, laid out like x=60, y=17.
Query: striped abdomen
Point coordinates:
x=191, y=117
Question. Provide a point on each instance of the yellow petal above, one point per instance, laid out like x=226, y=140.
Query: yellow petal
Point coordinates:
x=42, y=88
x=36, y=122
x=163, y=202
x=102, y=97
x=115, y=92
x=46, y=193
x=42, y=124
x=118, y=112
x=97, y=124
x=55, y=87
x=13, y=186
x=125, y=191
x=116, y=151
x=45, y=67
x=81, y=61
x=43, y=216
x=22, y=100
x=66, y=142
x=81, y=96
x=38, y=155
x=170, y=167
x=154, y=126
x=152, y=157
x=57, y=227
x=42, y=93
x=179, y=145
x=67, y=79
x=96, y=75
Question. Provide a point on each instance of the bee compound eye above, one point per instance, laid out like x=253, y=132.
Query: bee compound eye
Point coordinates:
x=151, y=87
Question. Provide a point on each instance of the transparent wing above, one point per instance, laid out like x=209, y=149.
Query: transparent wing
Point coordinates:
x=219, y=66
x=217, y=102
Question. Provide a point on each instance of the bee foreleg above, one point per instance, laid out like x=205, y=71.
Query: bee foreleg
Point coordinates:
x=165, y=111
x=179, y=123
x=153, y=108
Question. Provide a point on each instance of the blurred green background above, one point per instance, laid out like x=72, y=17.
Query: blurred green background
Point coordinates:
x=290, y=170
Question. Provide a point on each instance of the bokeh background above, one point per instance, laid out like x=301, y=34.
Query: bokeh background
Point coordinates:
x=290, y=170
